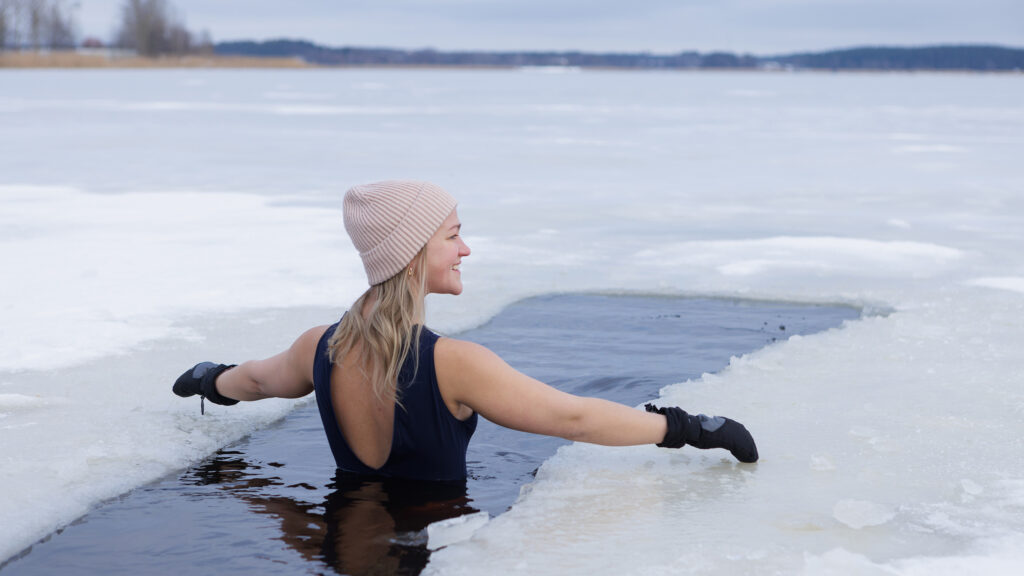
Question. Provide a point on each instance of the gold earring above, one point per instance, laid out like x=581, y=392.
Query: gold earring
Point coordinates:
x=410, y=271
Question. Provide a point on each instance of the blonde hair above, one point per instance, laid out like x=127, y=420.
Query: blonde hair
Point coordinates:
x=389, y=330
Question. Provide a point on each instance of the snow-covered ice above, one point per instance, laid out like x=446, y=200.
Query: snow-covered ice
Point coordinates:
x=447, y=532
x=198, y=212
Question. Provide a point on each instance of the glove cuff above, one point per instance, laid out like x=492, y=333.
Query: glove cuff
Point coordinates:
x=682, y=429
x=208, y=385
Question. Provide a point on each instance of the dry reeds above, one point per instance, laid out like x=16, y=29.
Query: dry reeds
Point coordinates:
x=68, y=59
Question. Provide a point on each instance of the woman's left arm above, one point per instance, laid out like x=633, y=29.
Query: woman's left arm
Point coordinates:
x=473, y=376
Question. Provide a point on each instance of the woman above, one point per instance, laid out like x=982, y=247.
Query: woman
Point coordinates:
x=398, y=400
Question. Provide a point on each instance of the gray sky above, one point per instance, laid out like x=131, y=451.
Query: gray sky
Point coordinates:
x=661, y=26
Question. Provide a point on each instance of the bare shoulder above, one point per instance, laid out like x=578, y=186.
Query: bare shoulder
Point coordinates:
x=455, y=356
x=467, y=369
x=471, y=375
x=453, y=346
x=460, y=364
x=310, y=338
x=302, y=354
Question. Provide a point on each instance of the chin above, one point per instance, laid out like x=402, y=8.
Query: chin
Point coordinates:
x=451, y=290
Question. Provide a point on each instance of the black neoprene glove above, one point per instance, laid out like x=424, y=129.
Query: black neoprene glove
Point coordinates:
x=202, y=379
x=705, y=432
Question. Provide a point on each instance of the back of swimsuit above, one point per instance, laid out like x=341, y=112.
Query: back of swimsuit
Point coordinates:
x=428, y=442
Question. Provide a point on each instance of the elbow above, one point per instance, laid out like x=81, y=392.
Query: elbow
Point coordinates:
x=265, y=380
x=574, y=431
x=576, y=426
x=249, y=382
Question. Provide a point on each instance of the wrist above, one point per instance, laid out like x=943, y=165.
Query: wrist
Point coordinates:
x=679, y=426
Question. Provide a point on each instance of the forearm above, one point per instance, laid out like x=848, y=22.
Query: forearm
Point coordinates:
x=613, y=424
x=476, y=377
x=285, y=375
x=241, y=382
x=259, y=379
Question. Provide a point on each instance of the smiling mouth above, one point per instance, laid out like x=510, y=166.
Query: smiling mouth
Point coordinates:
x=456, y=267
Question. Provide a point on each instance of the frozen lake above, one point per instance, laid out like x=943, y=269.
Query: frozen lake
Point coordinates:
x=144, y=210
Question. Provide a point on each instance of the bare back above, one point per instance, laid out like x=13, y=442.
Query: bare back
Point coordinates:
x=366, y=424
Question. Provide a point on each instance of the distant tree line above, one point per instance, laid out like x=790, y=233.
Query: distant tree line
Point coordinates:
x=36, y=24
x=154, y=28
x=147, y=27
x=983, y=58
x=349, y=56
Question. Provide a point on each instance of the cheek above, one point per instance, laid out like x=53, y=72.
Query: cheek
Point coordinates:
x=440, y=263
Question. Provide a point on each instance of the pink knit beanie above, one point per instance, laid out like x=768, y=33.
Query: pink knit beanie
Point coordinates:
x=390, y=221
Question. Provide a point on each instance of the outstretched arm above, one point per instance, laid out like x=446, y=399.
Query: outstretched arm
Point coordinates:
x=285, y=375
x=470, y=375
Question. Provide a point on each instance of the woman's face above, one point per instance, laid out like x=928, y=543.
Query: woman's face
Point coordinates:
x=445, y=251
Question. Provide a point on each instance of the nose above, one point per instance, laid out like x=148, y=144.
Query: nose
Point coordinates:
x=464, y=249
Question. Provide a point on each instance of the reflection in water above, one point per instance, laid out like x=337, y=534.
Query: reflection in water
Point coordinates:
x=361, y=525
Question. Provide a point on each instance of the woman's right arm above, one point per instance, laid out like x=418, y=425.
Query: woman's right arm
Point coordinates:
x=288, y=374
x=471, y=375
x=285, y=375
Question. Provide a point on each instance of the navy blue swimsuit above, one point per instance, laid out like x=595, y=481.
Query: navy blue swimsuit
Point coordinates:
x=428, y=442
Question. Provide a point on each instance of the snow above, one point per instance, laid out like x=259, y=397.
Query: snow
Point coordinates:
x=152, y=219
x=447, y=532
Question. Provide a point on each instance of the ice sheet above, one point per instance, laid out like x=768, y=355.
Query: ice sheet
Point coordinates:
x=173, y=210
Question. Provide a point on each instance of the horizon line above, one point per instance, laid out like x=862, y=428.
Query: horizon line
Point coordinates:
x=641, y=52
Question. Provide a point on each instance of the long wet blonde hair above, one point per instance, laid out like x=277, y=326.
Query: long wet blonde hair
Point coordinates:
x=383, y=327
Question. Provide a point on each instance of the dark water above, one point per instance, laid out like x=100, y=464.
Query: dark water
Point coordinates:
x=274, y=504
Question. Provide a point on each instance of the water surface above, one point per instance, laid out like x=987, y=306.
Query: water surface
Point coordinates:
x=274, y=504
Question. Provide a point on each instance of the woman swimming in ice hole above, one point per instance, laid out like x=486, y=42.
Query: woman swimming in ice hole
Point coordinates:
x=397, y=399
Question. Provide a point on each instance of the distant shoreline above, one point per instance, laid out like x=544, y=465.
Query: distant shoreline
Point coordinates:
x=978, y=58
x=112, y=60
x=76, y=60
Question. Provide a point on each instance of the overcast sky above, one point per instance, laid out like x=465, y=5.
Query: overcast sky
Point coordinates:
x=661, y=26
